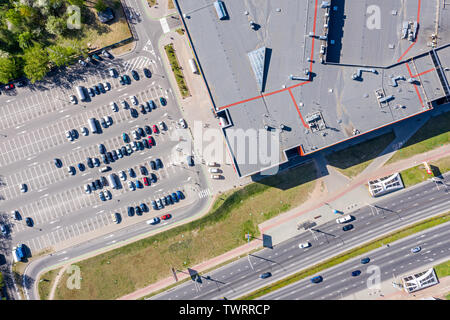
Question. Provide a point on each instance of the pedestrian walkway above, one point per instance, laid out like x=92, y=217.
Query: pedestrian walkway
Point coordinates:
x=283, y=226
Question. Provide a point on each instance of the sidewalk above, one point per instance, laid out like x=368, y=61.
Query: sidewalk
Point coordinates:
x=284, y=226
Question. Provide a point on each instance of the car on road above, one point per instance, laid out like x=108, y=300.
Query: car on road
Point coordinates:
x=316, y=279
x=69, y=136
x=163, y=101
x=190, y=160
x=344, y=219
x=147, y=73
x=133, y=100
x=71, y=170
x=29, y=221
x=84, y=131
x=130, y=211
x=135, y=75
x=155, y=220
x=182, y=123
x=416, y=249
x=57, y=162
x=347, y=227
x=159, y=163
x=87, y=189
x=152, y=164
x=114, y=106
x=73, y=99
x=166, y=216
x=265, y=275
x=138, y=210
x=131, y=185
x=96, y=162
x=365, y=260
x=101, y=148
x=304, y=245
x=356, y=273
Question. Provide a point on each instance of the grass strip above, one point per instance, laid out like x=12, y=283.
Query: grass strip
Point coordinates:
x=372, y=245
x=46, y=283
x=442, y=270
x=417, y=174
x=176, y=69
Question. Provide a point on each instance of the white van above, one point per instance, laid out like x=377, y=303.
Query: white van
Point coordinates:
x=212, y=164
x=214, y=170
x=104, y=169
x=215, y=176
x=344, y=219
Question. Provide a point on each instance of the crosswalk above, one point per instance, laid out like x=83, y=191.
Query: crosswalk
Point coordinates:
x=139, y=62
x=204, y=193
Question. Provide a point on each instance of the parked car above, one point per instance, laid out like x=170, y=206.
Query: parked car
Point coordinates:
x=124, y=104
x=141, y=132
x=146, y=181
x=147, y=73
x=152, y=104
x=190, y=160
x=122, y=175
x=152, y=164
x=73, y=99
x=159, y=163
x=81, y=167
x=101, y=87
x=96, y=90
x=153, y=177
x=142, y=108
x=144, y=207
x=143, y=170
x=114, y=107
x=155, y=128
x=115, y=217
x=107, y=86
x=133, y=100
x=84, y=131
x=130, y=211
x=148, y=107
x=23, y=188
x=29, y=221
x=140, y=145
x=84, y=64
x=135, y=134
x=113, y=72
x=87, y=189
x=139, y=184
x=91, y=92
x=151, y=141
x=135, y=75
x=169, y=199
x=162, y=125
x=108, y=195
x=3, y=229
x=57, y=162
x=180, y=194
x=74, y=133
x=103, y=123
x=71, y=170
x=9, y=86
x=216, y=176
x=131, y=185
x=17, y=215
x=119, y=153
x=96, y=162
x=107, y=54
x=101, y=148
x=163, y=101
x=182, y=123
x=89, y=162
x=175, y=197
x=146, y=144
x=69, y=136
x=109, y=120
x=155, y=207
x=148, y=130
x=102, y=196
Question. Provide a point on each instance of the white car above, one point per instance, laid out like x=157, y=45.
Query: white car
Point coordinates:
x=152, y=221
x=131, y=185
x=162, y=125
x=133, y=100
x=304, y=245
x=124, y=104
x=129, y=149
x=215, y=176
x=214, y=170
x=23, y=188
x=134, y=146
x=69, y=136
x=107, y=86
x=115, y=217
x=84, y=64
x=122, y=175
x=114, y=107
x=344, y=219
x=73, y=99
x=84, y=131
x=135, y=134
x=108, y=195
x=87, y=189
x=182, y=123
x=109, y=120
x=212, y=164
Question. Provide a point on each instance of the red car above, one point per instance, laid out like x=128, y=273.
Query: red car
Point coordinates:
x=9, y=86
x=146, y=181
x=151, y=141
x=167, y=216
x=155, y=129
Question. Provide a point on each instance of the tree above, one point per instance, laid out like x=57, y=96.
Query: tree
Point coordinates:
x=100, y=5
x=14, y=17
x=61, y=56
x=55, y=25
x=8, y=69
x=36, y=63
x=79, y=3
x=24, y=39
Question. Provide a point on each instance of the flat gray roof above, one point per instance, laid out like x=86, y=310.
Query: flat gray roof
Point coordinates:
x=346, y=106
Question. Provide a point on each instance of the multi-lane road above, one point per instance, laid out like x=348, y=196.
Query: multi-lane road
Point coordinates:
x=242, y=276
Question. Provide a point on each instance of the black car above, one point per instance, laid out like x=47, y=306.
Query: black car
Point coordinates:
x=159, y=163
x=152, y=164
x=144, y=207
x=153, y=177
x=155, y=207
x=101, y=87
x=131, y=173
x=98, y=184
x=347, y=227
x=141, y=132
x=356, y=273
x=169, y=199
x=110, y=157
x=190, y=161
x=148, y=130
x=93, y=185
x=91, y=92
x=146, y=144
x=140, y=145
x=130, y=211
x=103, y=123
x=127, y=79
x=17, y=215
x=124, y=151
x=143, y=111
x=105, y=159
x=114, y=155
x=81, y=167
x=58, y=162
x=74, y=133
x=135, y=74
x=97, y=90
x=101, y=148
x=21, y=83
x=29, y=221
x=147, y=73
x=138, y=211
x=104, y=181
x=134, y=113
x=265, y=275
x=143, y=170
x=90, y=163
x=365, y=260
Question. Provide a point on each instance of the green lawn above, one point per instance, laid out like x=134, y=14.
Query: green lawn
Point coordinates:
x=443, y=269
x=418, y=174
x=435, y=133
x=176, y=69
x=353, y=160
x=123, y=270
x=394, y=236
x=46, y=282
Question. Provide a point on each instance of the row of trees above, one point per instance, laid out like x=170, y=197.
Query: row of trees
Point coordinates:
x=34, y=35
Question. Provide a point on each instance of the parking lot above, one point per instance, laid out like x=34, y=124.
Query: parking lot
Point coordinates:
x=56, y=201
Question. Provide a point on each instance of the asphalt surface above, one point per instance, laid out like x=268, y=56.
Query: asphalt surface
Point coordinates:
x=241, y=277
x=393, y=261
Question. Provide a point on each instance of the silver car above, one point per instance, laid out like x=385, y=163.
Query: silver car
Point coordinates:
x=133, y=100
x=84, y=131
x=114, y=107
x=69, y=136
x=73, y=99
